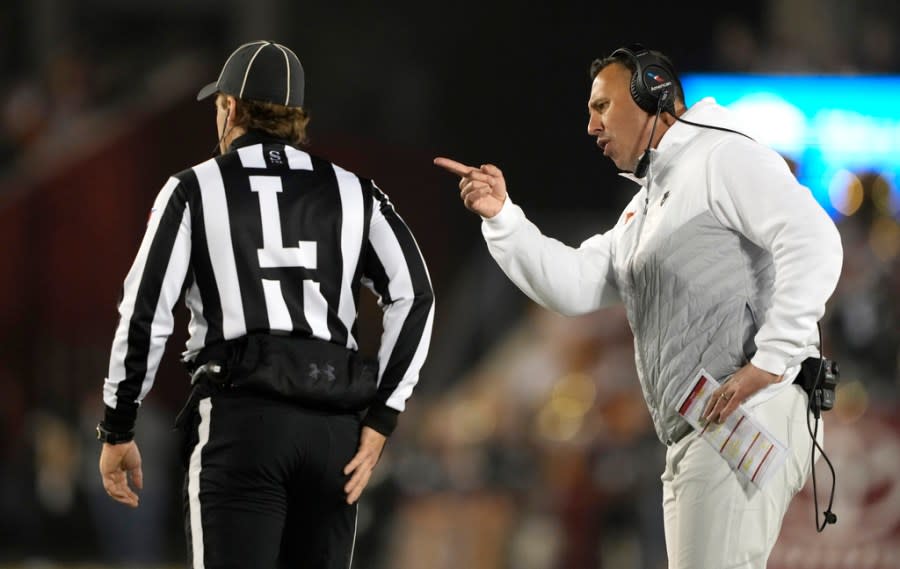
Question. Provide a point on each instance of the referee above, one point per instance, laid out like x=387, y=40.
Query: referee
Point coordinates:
x=269, y=246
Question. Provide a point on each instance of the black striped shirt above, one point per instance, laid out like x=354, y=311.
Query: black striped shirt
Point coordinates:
x=267, y=238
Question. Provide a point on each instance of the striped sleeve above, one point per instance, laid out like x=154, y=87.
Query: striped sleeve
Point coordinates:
x=395, y=271
x=151, y=289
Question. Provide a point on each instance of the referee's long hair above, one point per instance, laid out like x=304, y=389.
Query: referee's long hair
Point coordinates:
x=286, y=123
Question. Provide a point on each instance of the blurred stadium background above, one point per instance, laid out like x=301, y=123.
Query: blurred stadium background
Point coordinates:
x=527, y=444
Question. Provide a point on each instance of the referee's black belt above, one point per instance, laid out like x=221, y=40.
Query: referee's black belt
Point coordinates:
x=309, y=371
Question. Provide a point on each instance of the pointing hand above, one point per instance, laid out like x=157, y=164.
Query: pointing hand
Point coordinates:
x=482, y=190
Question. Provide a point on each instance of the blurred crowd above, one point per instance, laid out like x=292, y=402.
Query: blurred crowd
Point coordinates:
x=37, y=107
x=538, y=452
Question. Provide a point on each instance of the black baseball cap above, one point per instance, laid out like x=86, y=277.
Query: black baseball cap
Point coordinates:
x=260, y=71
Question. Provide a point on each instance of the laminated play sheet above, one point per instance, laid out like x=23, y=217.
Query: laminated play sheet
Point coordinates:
x=741, y=440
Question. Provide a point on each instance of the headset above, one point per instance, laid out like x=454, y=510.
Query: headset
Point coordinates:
x=653, y=90
x=653, y=81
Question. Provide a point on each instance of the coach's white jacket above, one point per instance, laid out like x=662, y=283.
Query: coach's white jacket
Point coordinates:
x=721, y=258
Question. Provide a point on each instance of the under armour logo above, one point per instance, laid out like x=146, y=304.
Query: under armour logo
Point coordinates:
x=327, y=371
x=662, y=202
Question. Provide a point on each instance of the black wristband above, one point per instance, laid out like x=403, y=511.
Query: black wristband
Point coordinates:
x=121, y=419
x=381, y=418
x=113, y=437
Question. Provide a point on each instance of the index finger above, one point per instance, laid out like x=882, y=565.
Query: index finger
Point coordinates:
x=452, y=166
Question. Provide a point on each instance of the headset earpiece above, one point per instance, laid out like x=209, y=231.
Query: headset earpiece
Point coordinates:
x=652, y=76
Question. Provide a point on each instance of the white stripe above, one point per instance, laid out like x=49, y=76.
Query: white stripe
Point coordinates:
x=287, y=64
x=252, y=156
x=289, y=50
x=116, y=371
x=315, y=308
x=297, y=159
x=404, y=389
x=353, y=544
x=197, y=327
x=276, y=308
x=352, y=212
x=400, y=287
x=163, y=319
x=247, y=71
x=221, y=251
x=195, y=467
x=232, y=55
x=387, y=248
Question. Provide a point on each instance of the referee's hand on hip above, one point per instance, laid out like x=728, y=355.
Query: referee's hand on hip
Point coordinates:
x=116, y=463
x=371, y=443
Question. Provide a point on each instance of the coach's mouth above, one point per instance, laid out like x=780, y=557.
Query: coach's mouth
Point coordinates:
x=602, y=144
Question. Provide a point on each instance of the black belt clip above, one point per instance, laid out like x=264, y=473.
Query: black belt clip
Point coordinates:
x=213, y=372
x=206, y=379
x=819, y=378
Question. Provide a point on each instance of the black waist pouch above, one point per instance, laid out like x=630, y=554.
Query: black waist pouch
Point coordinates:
x=312, y=372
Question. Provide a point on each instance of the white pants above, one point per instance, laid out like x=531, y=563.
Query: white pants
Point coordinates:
x=714, y=518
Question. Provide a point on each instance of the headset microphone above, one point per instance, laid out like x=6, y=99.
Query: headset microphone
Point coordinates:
x=653, y=87
x=644, y=163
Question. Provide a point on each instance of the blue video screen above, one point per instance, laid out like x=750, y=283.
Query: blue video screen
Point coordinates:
x=834, y=128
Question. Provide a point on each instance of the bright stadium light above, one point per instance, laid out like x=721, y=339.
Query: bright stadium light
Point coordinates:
x=773, y=121
x=828, y=125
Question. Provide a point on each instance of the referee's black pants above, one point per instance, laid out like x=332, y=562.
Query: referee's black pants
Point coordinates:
x=264, y=485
